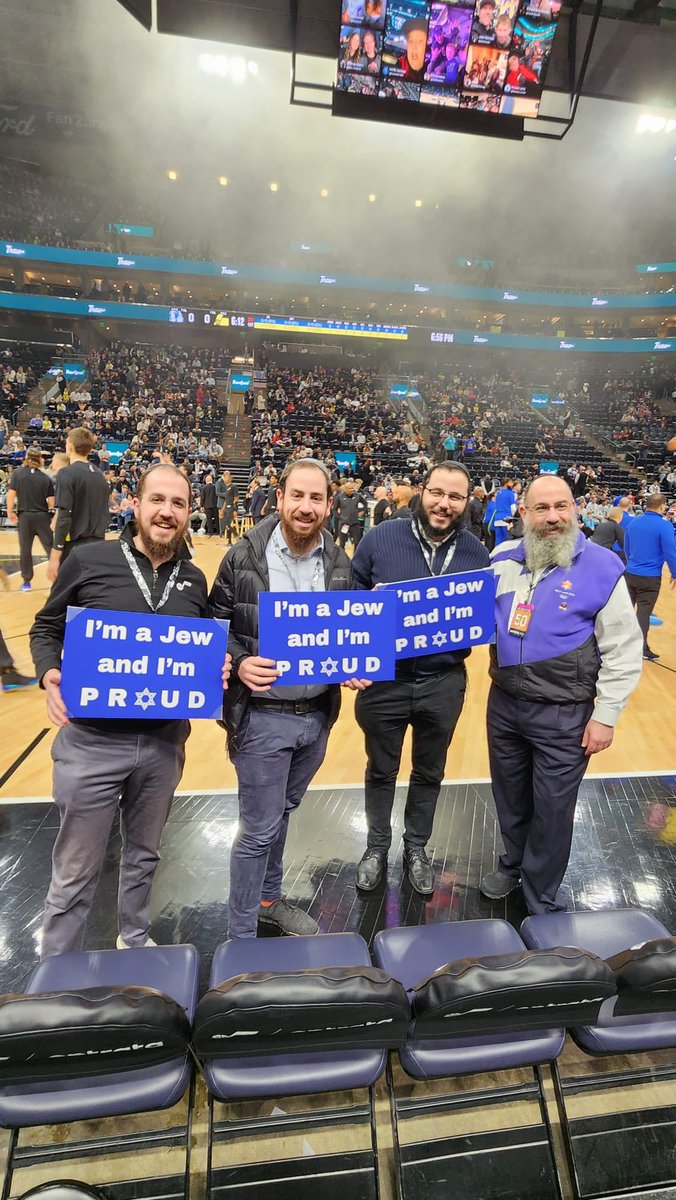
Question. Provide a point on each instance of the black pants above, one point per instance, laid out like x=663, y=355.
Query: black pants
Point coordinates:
x=32, y=525
x=354, y=532
x=537, y=765
x=644, y=590
x=212, y=521
x=431, y=706
x=6, y=660
x=84, y=541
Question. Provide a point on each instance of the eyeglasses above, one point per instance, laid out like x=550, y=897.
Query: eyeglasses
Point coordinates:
x=438, y=494
x=541, y=510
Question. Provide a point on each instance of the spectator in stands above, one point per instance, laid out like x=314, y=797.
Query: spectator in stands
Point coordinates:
x=428, y=692
x=475, y=513
x=649, y=545
x=277, y=735
x=566, y=660
x=402, y=495
x=209, y=501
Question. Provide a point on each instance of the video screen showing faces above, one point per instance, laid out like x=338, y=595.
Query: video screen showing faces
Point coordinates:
x=489, y=56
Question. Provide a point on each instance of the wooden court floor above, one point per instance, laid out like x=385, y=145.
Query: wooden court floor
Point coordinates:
x=645, y=740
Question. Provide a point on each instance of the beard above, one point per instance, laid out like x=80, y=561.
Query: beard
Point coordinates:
x=432, y=534
x=159, y=550
x=549, y=550
x=300, y=542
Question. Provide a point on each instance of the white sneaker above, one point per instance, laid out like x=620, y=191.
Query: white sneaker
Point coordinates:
x=122, y=945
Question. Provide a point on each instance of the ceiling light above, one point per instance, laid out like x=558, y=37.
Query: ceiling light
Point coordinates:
x=173, y=175
x=238, y=69
x=274, y=187
x=324, y=193
x=372, y=198
x=223, y=180
x=418, y=203
x=655, y=123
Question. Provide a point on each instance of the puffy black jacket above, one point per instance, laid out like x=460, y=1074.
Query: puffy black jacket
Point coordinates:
x=242, y=575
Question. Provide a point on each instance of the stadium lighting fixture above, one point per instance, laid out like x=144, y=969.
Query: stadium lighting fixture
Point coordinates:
x=418, y=203
x=236, y=68
x=223, y=180
x=274, y=187
x=324, y=193
x=372, y=198
x=173, y=175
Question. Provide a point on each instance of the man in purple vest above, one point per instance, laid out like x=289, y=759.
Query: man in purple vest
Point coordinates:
x=568, y=655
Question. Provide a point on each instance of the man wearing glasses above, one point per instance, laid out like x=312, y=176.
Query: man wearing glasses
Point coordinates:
x=567, y=657
x=428, y=692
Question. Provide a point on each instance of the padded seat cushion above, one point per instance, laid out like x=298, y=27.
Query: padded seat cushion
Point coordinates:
x=646, y=977
x=309, y=1009
x=524, y=989
x=90, y=1031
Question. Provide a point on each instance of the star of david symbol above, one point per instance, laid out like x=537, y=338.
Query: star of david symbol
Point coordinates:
x=329, y=666
x=145, y=699
x=439, y=639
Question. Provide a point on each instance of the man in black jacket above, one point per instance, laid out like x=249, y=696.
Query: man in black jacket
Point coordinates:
x=350, y=510
x=100, y=765
x=209, y=500
x=428, y=692
x=276, y=735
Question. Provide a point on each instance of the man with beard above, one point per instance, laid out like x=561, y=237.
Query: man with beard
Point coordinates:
x=427, y=693
x=277, y=735
x=566, y=659
x=103, y=765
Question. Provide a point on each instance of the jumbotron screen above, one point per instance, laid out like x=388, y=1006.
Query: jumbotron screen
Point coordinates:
x=487, y=56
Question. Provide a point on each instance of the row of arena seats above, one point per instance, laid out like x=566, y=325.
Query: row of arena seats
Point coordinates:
x=109, y=1034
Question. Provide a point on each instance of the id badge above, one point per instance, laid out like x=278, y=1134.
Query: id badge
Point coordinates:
x=521, y=619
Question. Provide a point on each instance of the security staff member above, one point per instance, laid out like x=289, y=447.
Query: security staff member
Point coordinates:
x=276, y=735
x=81, y=500
x=32, y=492
x=100, y=765
x=566, y=660
x=428, y=692
x=350, y=510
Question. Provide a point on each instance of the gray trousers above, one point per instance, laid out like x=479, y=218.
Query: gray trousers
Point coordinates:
x=95, y=775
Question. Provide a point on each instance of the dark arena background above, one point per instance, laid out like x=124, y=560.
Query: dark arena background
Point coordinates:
x=385, y=235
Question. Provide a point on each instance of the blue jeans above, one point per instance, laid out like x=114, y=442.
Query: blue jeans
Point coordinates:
x=278, y=755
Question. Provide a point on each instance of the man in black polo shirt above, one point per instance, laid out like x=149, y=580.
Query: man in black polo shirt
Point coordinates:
x=29, y=502
x=81, y=501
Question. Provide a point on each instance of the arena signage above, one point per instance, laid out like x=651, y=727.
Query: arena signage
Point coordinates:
x=142, y=665
x=443, y=612
x=327, y=637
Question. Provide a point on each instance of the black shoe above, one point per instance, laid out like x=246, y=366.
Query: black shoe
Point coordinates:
x=371, y=870
x=288, y=919
x=419, y=870
x=11, y=680
x=650, y=655
x=497, y=885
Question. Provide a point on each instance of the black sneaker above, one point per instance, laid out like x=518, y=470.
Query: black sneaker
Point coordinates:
x=497, y=885
x=371, y=870
x=419, y=870
x=11, y=680
x=650, y=655
x=287, y=918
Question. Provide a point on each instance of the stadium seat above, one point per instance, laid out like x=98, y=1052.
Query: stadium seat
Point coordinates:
x=482, y=1003
x=296, y=1017
x=638, y=1145
x=79, y=1015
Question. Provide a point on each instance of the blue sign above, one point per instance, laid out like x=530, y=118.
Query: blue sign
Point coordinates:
x=116, y=450
x=69, y=371
x=144, y=231
x=136, y=665
x=240, y=382
x=549, y=466
x=345, y=458
x=539, y=399
x=327, y=637
x=443, y=612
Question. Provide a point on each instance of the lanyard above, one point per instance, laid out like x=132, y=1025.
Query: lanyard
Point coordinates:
x=317, y=574
x=533, y=582
x=429, y=553
x=143, y=586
